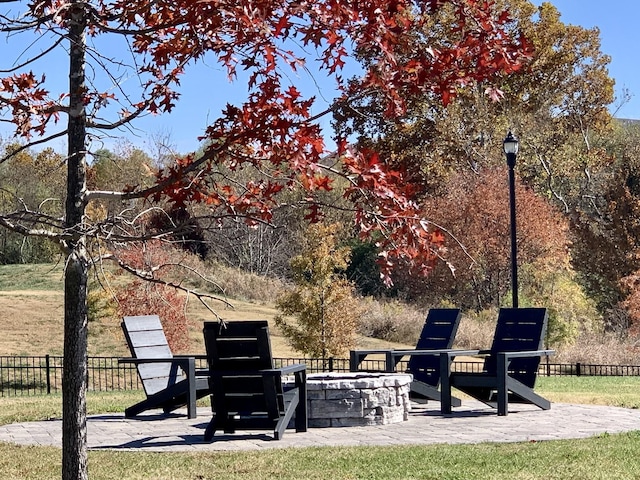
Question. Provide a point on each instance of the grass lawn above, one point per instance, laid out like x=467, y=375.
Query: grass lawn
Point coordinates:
x=615, y=391
x=602, y=457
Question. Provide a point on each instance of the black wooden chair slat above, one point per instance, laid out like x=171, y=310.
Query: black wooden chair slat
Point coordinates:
x=247, y=392
x=240, y=364
x=438, y=332
x=242, y=384
x=228, y=349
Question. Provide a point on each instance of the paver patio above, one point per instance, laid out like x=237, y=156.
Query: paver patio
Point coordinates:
x=473, y=423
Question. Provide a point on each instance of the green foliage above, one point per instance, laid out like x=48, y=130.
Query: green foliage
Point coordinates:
x=364, y=271
x=34, y=181
x=126, y=166
x=15, y=248
x=571, y=312
x=322, y=302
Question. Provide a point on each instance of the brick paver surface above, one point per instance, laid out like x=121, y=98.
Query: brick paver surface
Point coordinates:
x=473, y=423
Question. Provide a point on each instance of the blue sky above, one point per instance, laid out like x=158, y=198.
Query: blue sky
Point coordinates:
x=205, y=89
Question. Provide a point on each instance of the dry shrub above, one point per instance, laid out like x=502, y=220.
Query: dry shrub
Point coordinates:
x=238, y=284
x=394, y=321
x=160, y=262
x=476, y=330
x=391, y=320
x=144, y=298
x=604, y=349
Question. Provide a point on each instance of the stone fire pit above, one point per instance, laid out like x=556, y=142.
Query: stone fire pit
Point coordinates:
x=357, y=399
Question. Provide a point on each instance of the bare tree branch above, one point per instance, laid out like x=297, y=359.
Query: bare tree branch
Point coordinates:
x=149, y=276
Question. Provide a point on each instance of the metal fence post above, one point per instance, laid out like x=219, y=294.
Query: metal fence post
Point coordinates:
x=548, y=367
x=48, y=373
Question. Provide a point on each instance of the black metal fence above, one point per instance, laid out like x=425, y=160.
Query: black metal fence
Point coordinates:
x=36, y=375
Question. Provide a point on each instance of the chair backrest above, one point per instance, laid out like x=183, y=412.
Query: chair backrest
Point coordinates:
x=236, y=351
x=519, y=329
x=146, y=339
x=438, y=333
x=237, y=346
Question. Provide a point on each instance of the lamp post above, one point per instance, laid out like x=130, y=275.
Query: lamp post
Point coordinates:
x=510, y=148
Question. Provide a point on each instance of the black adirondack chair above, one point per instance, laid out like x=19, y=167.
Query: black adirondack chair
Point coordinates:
x=247, y=393
x=437, y=336
x=169, y=381
x=510, y=366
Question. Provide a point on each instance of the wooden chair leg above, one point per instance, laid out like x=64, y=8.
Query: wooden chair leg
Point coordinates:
x=445, y=383
x=501, y=385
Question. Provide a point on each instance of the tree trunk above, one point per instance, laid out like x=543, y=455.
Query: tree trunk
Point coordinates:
x=74, y=379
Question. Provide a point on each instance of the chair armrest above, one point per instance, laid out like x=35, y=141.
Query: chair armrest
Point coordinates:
x=504, y=359
x=286, y=370
x=138, y=361
x=357, y=356
x=393, y=357
x=289, y=369
x=367, y=352
x=187, y=363
x=528, y=353
x=451, y=354
x=197, y=356
x=447, y=356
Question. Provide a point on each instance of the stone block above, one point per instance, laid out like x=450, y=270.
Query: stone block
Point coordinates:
x=314, y=394
x=379, y=396
x=357, y=399
x=319, y=422
x=335, y=408
x=340, y=394
x=356, y=422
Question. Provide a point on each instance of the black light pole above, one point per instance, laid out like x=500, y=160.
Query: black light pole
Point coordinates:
x=510, y=147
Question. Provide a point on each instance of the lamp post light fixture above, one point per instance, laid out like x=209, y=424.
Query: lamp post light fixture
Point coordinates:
x=510, y=148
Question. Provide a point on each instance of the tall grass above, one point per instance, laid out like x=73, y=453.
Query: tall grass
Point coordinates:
x=604, y=349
